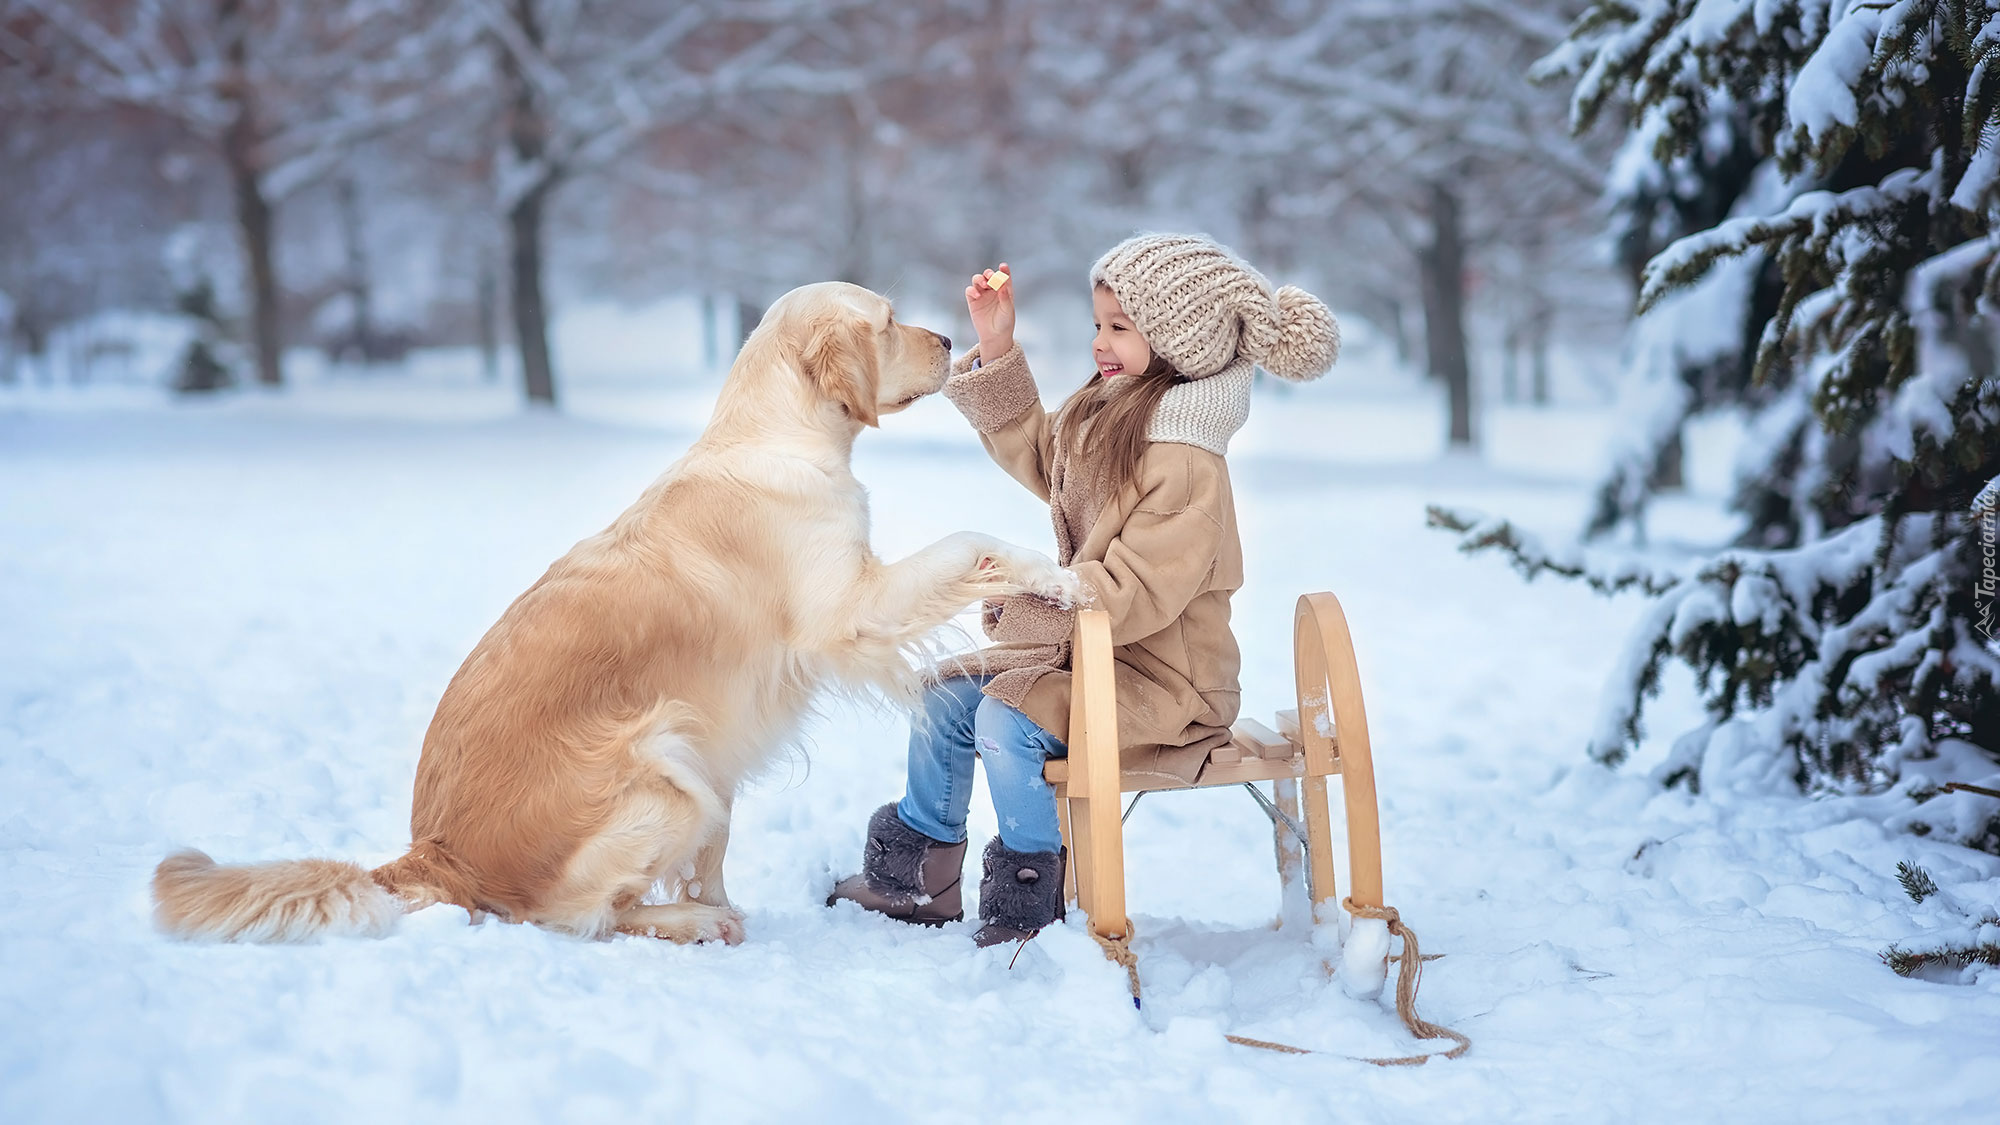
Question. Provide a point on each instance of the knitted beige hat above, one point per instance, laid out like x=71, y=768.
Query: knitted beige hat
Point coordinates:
x=1203, y=308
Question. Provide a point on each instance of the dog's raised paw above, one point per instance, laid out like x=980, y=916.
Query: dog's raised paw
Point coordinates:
x=1065, y=588
x=1044, y=579
x=1031, y=572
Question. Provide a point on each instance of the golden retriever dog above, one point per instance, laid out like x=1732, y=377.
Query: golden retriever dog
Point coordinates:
x=592, y=743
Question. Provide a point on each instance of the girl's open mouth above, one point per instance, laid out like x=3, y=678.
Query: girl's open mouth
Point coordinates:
x=1109, y=369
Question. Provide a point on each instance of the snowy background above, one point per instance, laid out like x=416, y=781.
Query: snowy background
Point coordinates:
x=228, y=622
x=325, y=327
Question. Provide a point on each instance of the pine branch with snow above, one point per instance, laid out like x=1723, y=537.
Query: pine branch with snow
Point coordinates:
x=1911, y=962
x=1607, y=574
x=1960, y=938
x=1917, y=883
x=1847, y=656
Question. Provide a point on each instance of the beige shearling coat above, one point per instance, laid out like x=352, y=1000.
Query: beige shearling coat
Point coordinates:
x=1162, y=556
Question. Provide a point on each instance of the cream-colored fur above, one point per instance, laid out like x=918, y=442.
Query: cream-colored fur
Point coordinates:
x=592, y=743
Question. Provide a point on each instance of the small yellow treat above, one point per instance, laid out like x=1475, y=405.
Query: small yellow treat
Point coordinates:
x=997, y=279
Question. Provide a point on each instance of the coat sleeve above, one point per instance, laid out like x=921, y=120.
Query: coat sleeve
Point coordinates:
x=1001, y=401
x=1163, y=556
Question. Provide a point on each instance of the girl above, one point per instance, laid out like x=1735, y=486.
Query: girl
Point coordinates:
x=1132, y=467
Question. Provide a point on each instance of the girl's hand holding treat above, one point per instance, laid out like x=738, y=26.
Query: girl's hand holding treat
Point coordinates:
x=990, y=300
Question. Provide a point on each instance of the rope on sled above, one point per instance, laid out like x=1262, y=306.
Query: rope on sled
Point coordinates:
x=1408, y=973
x=1119, y=949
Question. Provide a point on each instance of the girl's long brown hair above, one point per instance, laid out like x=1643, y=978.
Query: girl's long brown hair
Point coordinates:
x=1103, y=423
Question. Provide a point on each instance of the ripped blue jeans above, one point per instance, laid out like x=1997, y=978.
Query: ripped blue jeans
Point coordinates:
x=958, y=720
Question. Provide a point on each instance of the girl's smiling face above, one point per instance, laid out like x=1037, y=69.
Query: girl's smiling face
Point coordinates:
x=1118, y=347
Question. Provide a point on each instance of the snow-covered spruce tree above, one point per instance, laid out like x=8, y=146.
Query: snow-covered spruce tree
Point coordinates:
x=1692, y=351
x=1845, y=644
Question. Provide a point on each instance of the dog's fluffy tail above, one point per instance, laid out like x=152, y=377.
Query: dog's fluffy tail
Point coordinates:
x=290, y=900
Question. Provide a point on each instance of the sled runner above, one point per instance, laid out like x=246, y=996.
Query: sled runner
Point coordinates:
x=1326, y=736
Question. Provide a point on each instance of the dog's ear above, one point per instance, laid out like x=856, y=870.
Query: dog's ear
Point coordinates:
x=839, y=356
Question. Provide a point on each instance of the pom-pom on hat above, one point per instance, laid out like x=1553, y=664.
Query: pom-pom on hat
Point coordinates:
x=1204, y=308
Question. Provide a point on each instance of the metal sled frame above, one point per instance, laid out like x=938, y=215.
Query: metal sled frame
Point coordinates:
x=1327, y=735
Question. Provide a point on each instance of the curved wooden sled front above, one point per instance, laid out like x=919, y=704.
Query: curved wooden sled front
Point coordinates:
x=1327, y=735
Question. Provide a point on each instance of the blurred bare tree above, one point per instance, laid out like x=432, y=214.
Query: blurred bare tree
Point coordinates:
x=1392, y=154
x=279, y=91
x=564, y=89
x=1415, y=113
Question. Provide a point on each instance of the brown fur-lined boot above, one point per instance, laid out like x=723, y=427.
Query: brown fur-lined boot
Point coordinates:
x=1019, y=894
x=906, y=874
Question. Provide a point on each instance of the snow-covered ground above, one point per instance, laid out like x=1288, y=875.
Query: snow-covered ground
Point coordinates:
x=225, y=625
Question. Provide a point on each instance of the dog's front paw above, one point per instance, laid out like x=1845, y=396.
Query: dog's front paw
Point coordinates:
x=1023, y=571
x=1065, y=588
x=1039, y=575
x=724, y=924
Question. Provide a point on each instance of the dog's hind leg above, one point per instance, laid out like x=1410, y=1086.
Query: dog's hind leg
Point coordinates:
x=655, y=828
x=707, y=883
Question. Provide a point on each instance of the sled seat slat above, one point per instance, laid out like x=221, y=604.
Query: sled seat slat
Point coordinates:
x=1056, y=773
x=1253, y=753
x=1262, y=741
x=1288, y=725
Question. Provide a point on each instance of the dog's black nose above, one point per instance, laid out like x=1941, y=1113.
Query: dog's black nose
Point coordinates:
x=943, y=339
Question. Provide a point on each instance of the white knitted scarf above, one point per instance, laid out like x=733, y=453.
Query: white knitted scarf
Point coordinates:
x=1206, y=413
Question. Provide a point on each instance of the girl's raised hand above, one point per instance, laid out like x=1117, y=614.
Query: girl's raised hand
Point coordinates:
x=992, y=310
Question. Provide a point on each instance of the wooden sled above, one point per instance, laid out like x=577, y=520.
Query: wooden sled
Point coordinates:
x=1327, y=735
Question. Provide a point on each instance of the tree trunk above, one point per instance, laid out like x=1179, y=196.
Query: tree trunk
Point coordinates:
x=489, y=318
x=711, y=343
x=360, y=293
x=31, y=329
x=253, y=211
x=253, y=215
x=1386, y=313
x=1538, y=342
x=854, y=265
x=1433, y=323
x=1443, y=268
x=527, y=132
x=531, y=322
